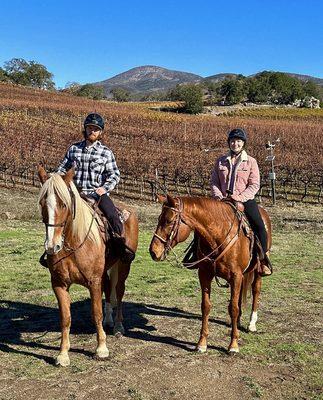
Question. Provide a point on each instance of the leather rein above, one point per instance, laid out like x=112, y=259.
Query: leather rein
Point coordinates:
x=175, y=232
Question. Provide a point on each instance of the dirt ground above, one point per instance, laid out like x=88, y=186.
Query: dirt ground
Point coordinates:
x=155, y=359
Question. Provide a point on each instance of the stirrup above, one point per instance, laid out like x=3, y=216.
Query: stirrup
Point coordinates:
x=266, y=268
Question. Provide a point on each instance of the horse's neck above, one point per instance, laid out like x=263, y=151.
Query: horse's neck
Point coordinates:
x=209, y=222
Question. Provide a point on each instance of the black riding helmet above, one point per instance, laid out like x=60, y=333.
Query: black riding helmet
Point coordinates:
x=94, y=119
x=237, y=133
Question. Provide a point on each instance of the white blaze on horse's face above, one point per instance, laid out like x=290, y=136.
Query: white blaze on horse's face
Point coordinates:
x=54, y=239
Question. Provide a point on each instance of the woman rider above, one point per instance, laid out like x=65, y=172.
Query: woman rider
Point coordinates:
x=236, y=175
x=96, y=174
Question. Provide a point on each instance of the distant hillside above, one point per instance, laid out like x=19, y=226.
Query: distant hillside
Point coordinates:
x=220, y=77
x=147, y=79
x=318, y=81
x=304, y=78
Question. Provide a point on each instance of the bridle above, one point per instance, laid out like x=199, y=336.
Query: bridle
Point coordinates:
x=174, y=232
x=63, y=224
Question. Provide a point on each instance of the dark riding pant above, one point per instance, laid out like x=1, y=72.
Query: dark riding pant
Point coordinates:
x=108, y=208
x=252, y=212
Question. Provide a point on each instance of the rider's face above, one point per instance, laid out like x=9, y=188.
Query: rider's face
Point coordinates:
x=236, y=145
x=93, y=133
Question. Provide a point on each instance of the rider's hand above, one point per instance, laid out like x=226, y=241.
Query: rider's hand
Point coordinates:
x=100, y=191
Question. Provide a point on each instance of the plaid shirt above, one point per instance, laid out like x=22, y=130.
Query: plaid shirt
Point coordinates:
x=95, y=166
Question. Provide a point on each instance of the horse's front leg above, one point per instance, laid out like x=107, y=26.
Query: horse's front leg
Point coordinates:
x=64, y=302
x=96, y=290
x=234, y=310
x=205, y=277
x=256, y=287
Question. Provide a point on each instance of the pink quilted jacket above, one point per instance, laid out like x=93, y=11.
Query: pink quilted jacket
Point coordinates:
x=247, y=178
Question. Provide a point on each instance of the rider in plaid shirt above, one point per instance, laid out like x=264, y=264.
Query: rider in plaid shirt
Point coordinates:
x=95, y=167
x=96, y=174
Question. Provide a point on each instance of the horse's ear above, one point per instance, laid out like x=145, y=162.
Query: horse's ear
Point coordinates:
x=171, y=201
x=42, y=174
x=161, y=199
x=68, y=177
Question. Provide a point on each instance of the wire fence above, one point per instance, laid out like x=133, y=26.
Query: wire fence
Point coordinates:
x=147, y=187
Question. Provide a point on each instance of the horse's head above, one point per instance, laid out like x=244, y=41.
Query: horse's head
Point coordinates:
x=55, y=211
x=171, y=228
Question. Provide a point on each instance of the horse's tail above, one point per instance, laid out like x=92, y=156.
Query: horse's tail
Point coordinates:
x=246, y=287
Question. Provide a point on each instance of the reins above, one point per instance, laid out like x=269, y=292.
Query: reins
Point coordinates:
x=175, y=232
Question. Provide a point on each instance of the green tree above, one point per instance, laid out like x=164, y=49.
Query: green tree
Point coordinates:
x=39, y=77
x=233, y=90
x=16, y=70
x=120, y=94
x=3, y=75
x=191, y=95
x=259, y=89
x=29, y=73
x=311, y=89
x=91, y=91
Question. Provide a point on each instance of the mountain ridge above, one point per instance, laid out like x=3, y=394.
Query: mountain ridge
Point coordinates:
x=151, y=79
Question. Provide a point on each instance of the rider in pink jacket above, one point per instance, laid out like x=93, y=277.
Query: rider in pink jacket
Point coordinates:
x=236, y=175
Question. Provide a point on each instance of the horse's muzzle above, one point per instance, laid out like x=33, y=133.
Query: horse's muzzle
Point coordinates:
x=53, y=250
x=155, y=257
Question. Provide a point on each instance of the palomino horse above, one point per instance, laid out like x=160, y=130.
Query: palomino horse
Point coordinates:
x=223, y=250
x=76, y=253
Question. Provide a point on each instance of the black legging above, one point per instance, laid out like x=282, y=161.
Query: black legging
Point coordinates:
x=257, y=224
x=108, y=208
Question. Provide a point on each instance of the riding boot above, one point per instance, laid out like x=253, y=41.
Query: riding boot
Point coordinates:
x=266, y=268
x=122, y=250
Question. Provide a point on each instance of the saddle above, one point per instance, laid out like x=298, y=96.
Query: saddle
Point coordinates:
x=255, y=247
x=111, y=239
x=102, y=220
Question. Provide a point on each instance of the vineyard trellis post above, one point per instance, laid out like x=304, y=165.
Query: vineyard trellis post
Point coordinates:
x=272, y=176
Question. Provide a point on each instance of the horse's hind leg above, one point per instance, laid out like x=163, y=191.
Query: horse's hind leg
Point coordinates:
x=235, y=311
x=256, y=287
x=101, y=351
x=123, y=272
x=108, y=309
x=64, y=302
x=205, y=277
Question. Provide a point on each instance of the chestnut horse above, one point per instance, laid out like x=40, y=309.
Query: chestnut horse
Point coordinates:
x=76, y=253
x=223, y=250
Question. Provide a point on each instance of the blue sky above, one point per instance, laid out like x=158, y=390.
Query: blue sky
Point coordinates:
x=88, y=41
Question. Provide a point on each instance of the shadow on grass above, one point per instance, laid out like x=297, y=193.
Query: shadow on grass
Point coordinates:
x=19, y=320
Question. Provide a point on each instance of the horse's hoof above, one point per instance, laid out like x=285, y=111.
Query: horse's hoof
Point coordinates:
x=233, y=351
x=101, y=355
x=118, y=330
x=252, y=328
x=62, y=361
x=201, y=349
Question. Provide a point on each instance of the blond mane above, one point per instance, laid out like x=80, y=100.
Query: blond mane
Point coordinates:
x=83, y=212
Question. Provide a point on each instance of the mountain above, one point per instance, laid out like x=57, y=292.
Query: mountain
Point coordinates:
x=148, y=78
x=317, y=81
